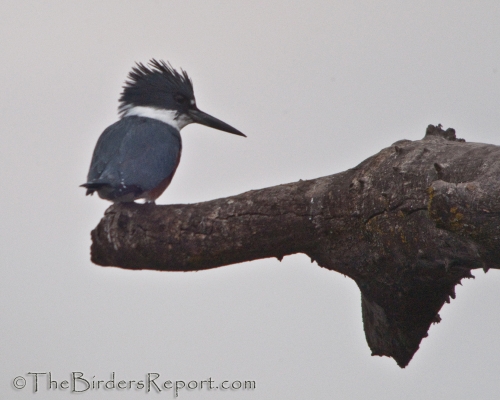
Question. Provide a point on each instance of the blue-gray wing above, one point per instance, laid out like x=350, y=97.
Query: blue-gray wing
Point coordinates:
x=134, y=154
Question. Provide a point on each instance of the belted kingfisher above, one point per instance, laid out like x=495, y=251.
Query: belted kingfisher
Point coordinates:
x=136, y=157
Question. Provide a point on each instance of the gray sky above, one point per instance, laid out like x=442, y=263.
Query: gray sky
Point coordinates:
x=318, y=87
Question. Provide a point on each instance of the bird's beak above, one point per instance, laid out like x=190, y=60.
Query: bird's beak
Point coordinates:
x=204, y=119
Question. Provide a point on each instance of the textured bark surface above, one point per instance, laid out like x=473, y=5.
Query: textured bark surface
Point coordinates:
x=407, y=225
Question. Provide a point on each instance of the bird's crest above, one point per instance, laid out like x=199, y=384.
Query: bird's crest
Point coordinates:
x=153, y=85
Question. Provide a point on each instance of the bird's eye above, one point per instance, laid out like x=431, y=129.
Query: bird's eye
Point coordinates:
x=180, y=99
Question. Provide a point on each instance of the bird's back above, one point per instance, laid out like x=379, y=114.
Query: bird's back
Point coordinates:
x=134, y=158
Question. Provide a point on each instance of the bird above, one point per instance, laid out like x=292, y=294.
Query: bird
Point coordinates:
x=137, y=156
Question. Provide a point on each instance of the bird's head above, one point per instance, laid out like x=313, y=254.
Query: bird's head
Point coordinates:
x=158, y=91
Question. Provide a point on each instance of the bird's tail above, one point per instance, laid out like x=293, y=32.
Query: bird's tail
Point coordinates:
x=92, y=187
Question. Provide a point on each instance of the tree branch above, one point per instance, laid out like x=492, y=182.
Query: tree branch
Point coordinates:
x=407, y=225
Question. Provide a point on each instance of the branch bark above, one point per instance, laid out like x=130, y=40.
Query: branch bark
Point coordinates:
x=407, y=225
